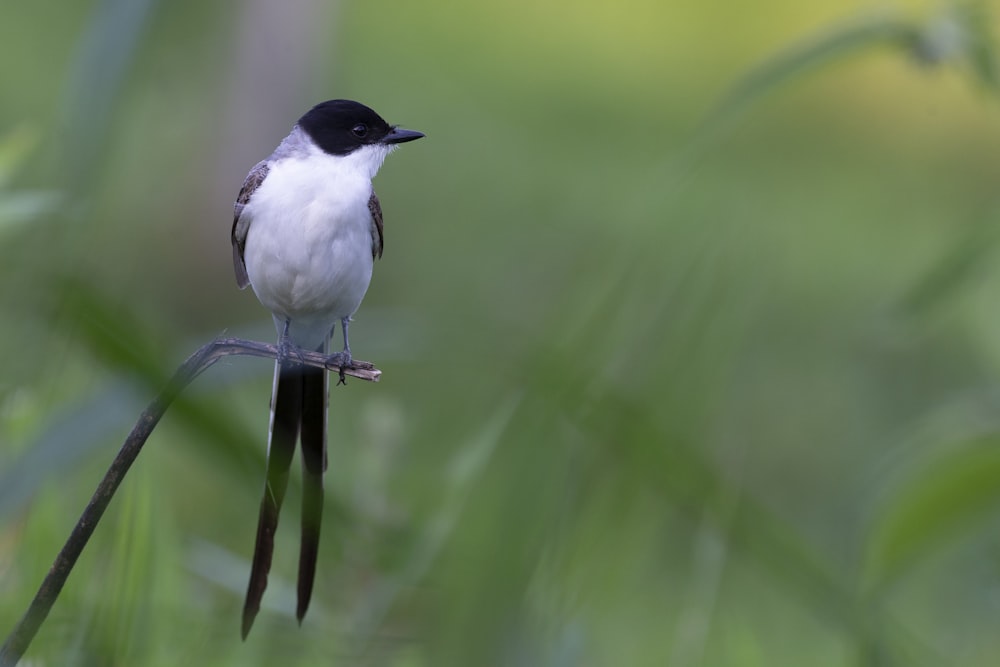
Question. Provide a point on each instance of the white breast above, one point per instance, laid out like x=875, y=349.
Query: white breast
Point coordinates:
x=308, y=250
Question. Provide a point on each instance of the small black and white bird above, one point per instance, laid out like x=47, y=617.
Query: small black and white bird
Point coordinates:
x=307, y=228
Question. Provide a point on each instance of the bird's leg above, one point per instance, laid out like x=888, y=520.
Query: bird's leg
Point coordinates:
x=287, y=350
x=343, y=358
x=347, y=345
x=285, y=342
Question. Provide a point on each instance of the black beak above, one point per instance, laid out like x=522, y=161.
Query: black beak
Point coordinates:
x=398, y=136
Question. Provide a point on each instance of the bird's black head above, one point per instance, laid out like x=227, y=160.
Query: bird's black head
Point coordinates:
x=340, y=127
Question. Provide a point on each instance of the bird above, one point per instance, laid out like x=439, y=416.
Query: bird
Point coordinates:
x=307, y=228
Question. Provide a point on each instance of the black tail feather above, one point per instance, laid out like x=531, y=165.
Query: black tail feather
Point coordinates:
x=314, y=395
x=286, y=405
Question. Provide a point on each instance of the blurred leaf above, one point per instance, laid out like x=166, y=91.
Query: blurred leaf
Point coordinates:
x=954, y=268
x=688, y=479
x=932, y=507
x=68, y=439
x=119, y=339
x=105, y=52
x=954, y=34
x=15, y=146
x=982, y=45
x=123, y=605
x=660, y=456
x=959, y=32
x=465, y=470
x=114, y=334
x=806, y=57
x=19, y=206
x=942, y=39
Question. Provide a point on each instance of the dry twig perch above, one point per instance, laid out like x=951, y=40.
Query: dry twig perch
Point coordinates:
x=24, y=632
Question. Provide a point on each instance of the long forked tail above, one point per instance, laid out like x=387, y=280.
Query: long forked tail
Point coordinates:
x=298, y=405
x=286, y=410
x=314, y=397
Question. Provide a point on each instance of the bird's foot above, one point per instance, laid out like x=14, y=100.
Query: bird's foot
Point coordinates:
x=342, y=360
x=289, y=351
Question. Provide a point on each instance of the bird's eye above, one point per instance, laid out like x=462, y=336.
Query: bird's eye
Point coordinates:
x=359, y=130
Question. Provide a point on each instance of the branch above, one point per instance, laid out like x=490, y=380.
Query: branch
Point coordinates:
x=24, y=632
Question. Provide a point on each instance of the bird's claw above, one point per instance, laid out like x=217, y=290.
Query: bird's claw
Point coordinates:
x=289, y=351
x=341, y=360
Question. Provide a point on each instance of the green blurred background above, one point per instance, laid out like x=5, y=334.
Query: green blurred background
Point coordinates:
x=687, y=319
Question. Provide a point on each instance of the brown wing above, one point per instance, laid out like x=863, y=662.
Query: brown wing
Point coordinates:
x=376, y=210
x=242, y=225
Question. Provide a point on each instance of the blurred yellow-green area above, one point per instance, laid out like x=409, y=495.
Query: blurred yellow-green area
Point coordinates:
x=688, y=319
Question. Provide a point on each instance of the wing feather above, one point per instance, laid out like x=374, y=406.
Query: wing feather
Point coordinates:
x=241, y=225
x=377, y=239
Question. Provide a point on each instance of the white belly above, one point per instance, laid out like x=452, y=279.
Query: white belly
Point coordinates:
x=308, y=250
